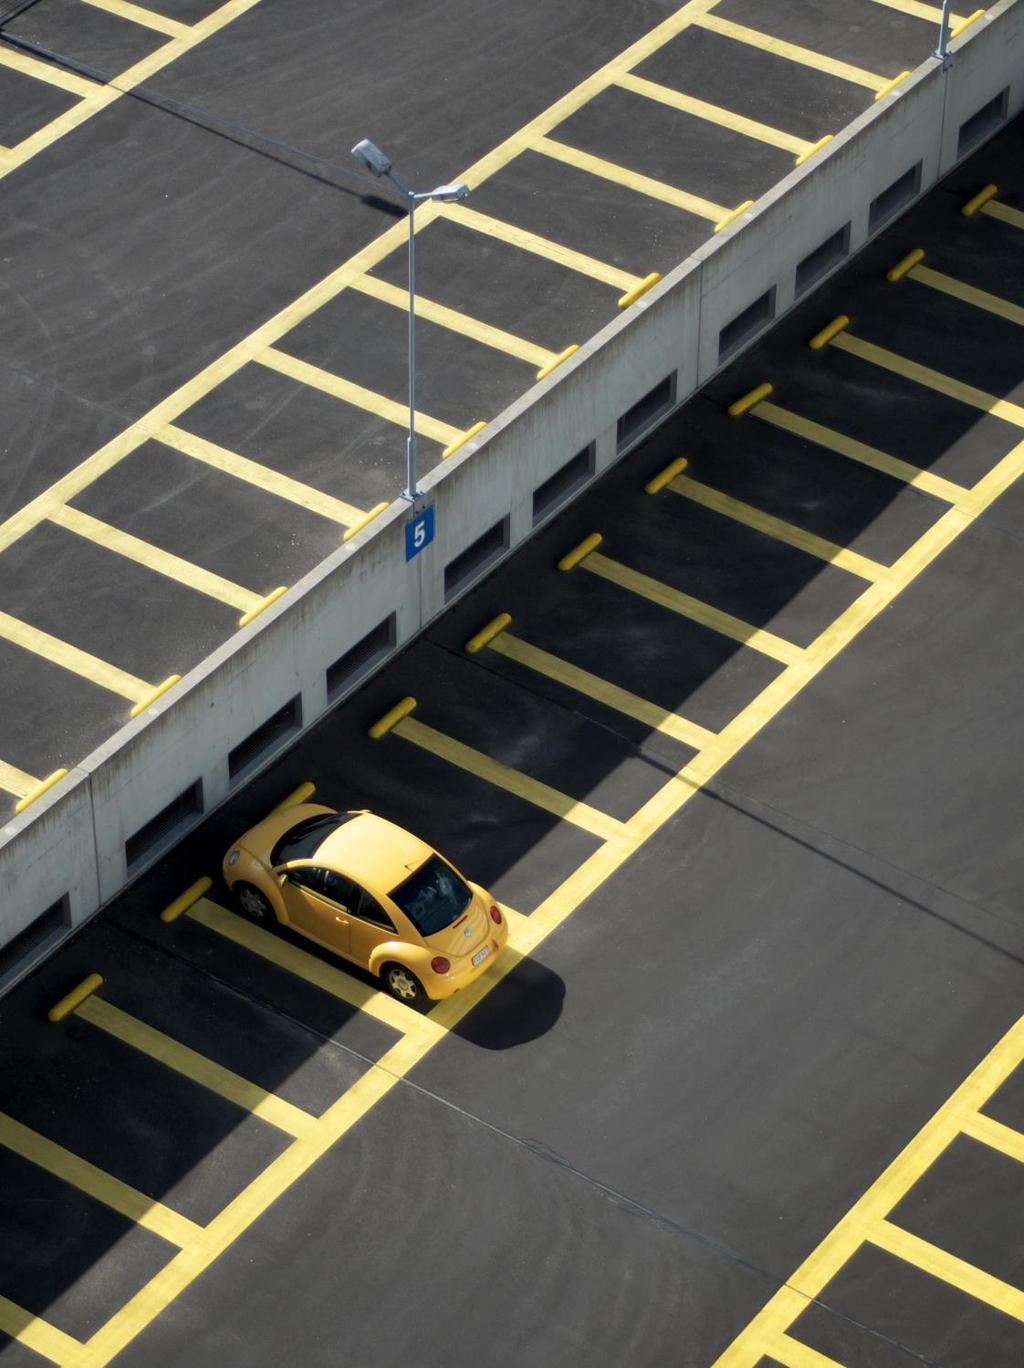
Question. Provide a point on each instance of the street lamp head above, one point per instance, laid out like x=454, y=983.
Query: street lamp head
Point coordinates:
x=449, y=193
x=372, y=157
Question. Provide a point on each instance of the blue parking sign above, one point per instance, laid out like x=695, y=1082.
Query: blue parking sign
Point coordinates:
x=419, y=533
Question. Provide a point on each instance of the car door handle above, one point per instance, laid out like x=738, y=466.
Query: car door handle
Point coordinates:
x=343, y=920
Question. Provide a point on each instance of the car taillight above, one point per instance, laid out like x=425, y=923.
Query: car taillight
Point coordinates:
x=439, y=964
x=495, y=915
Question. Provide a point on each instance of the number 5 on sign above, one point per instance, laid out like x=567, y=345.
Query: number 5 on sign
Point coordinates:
x=419, y=533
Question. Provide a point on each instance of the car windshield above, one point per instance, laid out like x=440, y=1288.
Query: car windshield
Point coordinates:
x=303, y=841
x=433, y=897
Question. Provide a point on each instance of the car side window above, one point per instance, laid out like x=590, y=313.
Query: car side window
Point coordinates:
x=339, y=889
x=368, y=909
x=308, y=877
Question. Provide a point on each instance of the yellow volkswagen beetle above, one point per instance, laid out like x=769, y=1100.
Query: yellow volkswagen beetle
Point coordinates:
x=369, y=891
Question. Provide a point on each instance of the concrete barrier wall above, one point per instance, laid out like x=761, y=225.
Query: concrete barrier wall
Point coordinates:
x=988, y=58
x=70, y=845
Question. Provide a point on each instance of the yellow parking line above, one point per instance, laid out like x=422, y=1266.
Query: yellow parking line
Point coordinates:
x=941, y=1264
x=78, y=114
x=97, y=97
x=864, y=1218
x=694, y=609
x=71, y=658
x=456, y=322
x=1003, y=212
x=782, y=531
x=842, y=445
x=562, y=672
x=689, y=104
x=791, y=52
x=16, y=781
x=169, y=409
x=936, y=380
x=917, y=10
x=61, y=491
x=146, y=17
x=262, y=476
x=153, y=558
x=155, y=421
x=980, y=495
x=149, y=1041
x=970, y=294
x=356, y=395
x=307, y=967
x=97, y=1183
x=512, y=781
x=518, y=930
x=42, y=71
x=621, y=175
x=997, y=1136
x=540, y=246
x=792, y=1353
x=240, y=1214
x=38, y=1334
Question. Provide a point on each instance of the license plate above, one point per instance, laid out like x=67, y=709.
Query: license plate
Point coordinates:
x=481, y=955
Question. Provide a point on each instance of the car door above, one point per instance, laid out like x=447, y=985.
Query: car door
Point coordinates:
x=369, y=926
x=312, y=897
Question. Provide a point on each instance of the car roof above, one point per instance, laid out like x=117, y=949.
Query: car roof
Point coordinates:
x=373, y=851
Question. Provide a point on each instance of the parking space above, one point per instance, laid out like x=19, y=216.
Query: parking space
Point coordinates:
x=209, y=530
x=925, y=1268
x=160, y=1095
x=785, y=103
x=361, y=341
x=548, y=1251
x=27, y=103
x=297, y=441
x=626, y=161
x=71, y=710
x=705, y=168
x=93, y=52
x=478, y=791
x=740, y=725
x=909, y=1307
x=92, y=39
x=475, y=274
x=751, y=582
x=106, y=1257
x=78, y=632
x=881, y=38
x=787, y=475
x=622, y=659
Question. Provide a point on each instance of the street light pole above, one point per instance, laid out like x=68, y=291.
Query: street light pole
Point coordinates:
x=411, y=492
x=942, y=51
x=376, y=162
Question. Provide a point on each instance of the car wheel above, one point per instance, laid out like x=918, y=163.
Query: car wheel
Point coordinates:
x=252, y=903
x=403, y=984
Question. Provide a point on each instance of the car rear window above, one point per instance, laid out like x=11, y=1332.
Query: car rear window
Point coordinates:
x=304, y=839
x=433, y=897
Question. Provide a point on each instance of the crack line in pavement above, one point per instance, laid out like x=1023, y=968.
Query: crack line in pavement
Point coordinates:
x=546, y=1154
x=709, y=789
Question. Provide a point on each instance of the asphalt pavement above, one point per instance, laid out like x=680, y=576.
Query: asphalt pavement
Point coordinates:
x=176, y=176
x=747, y=1086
